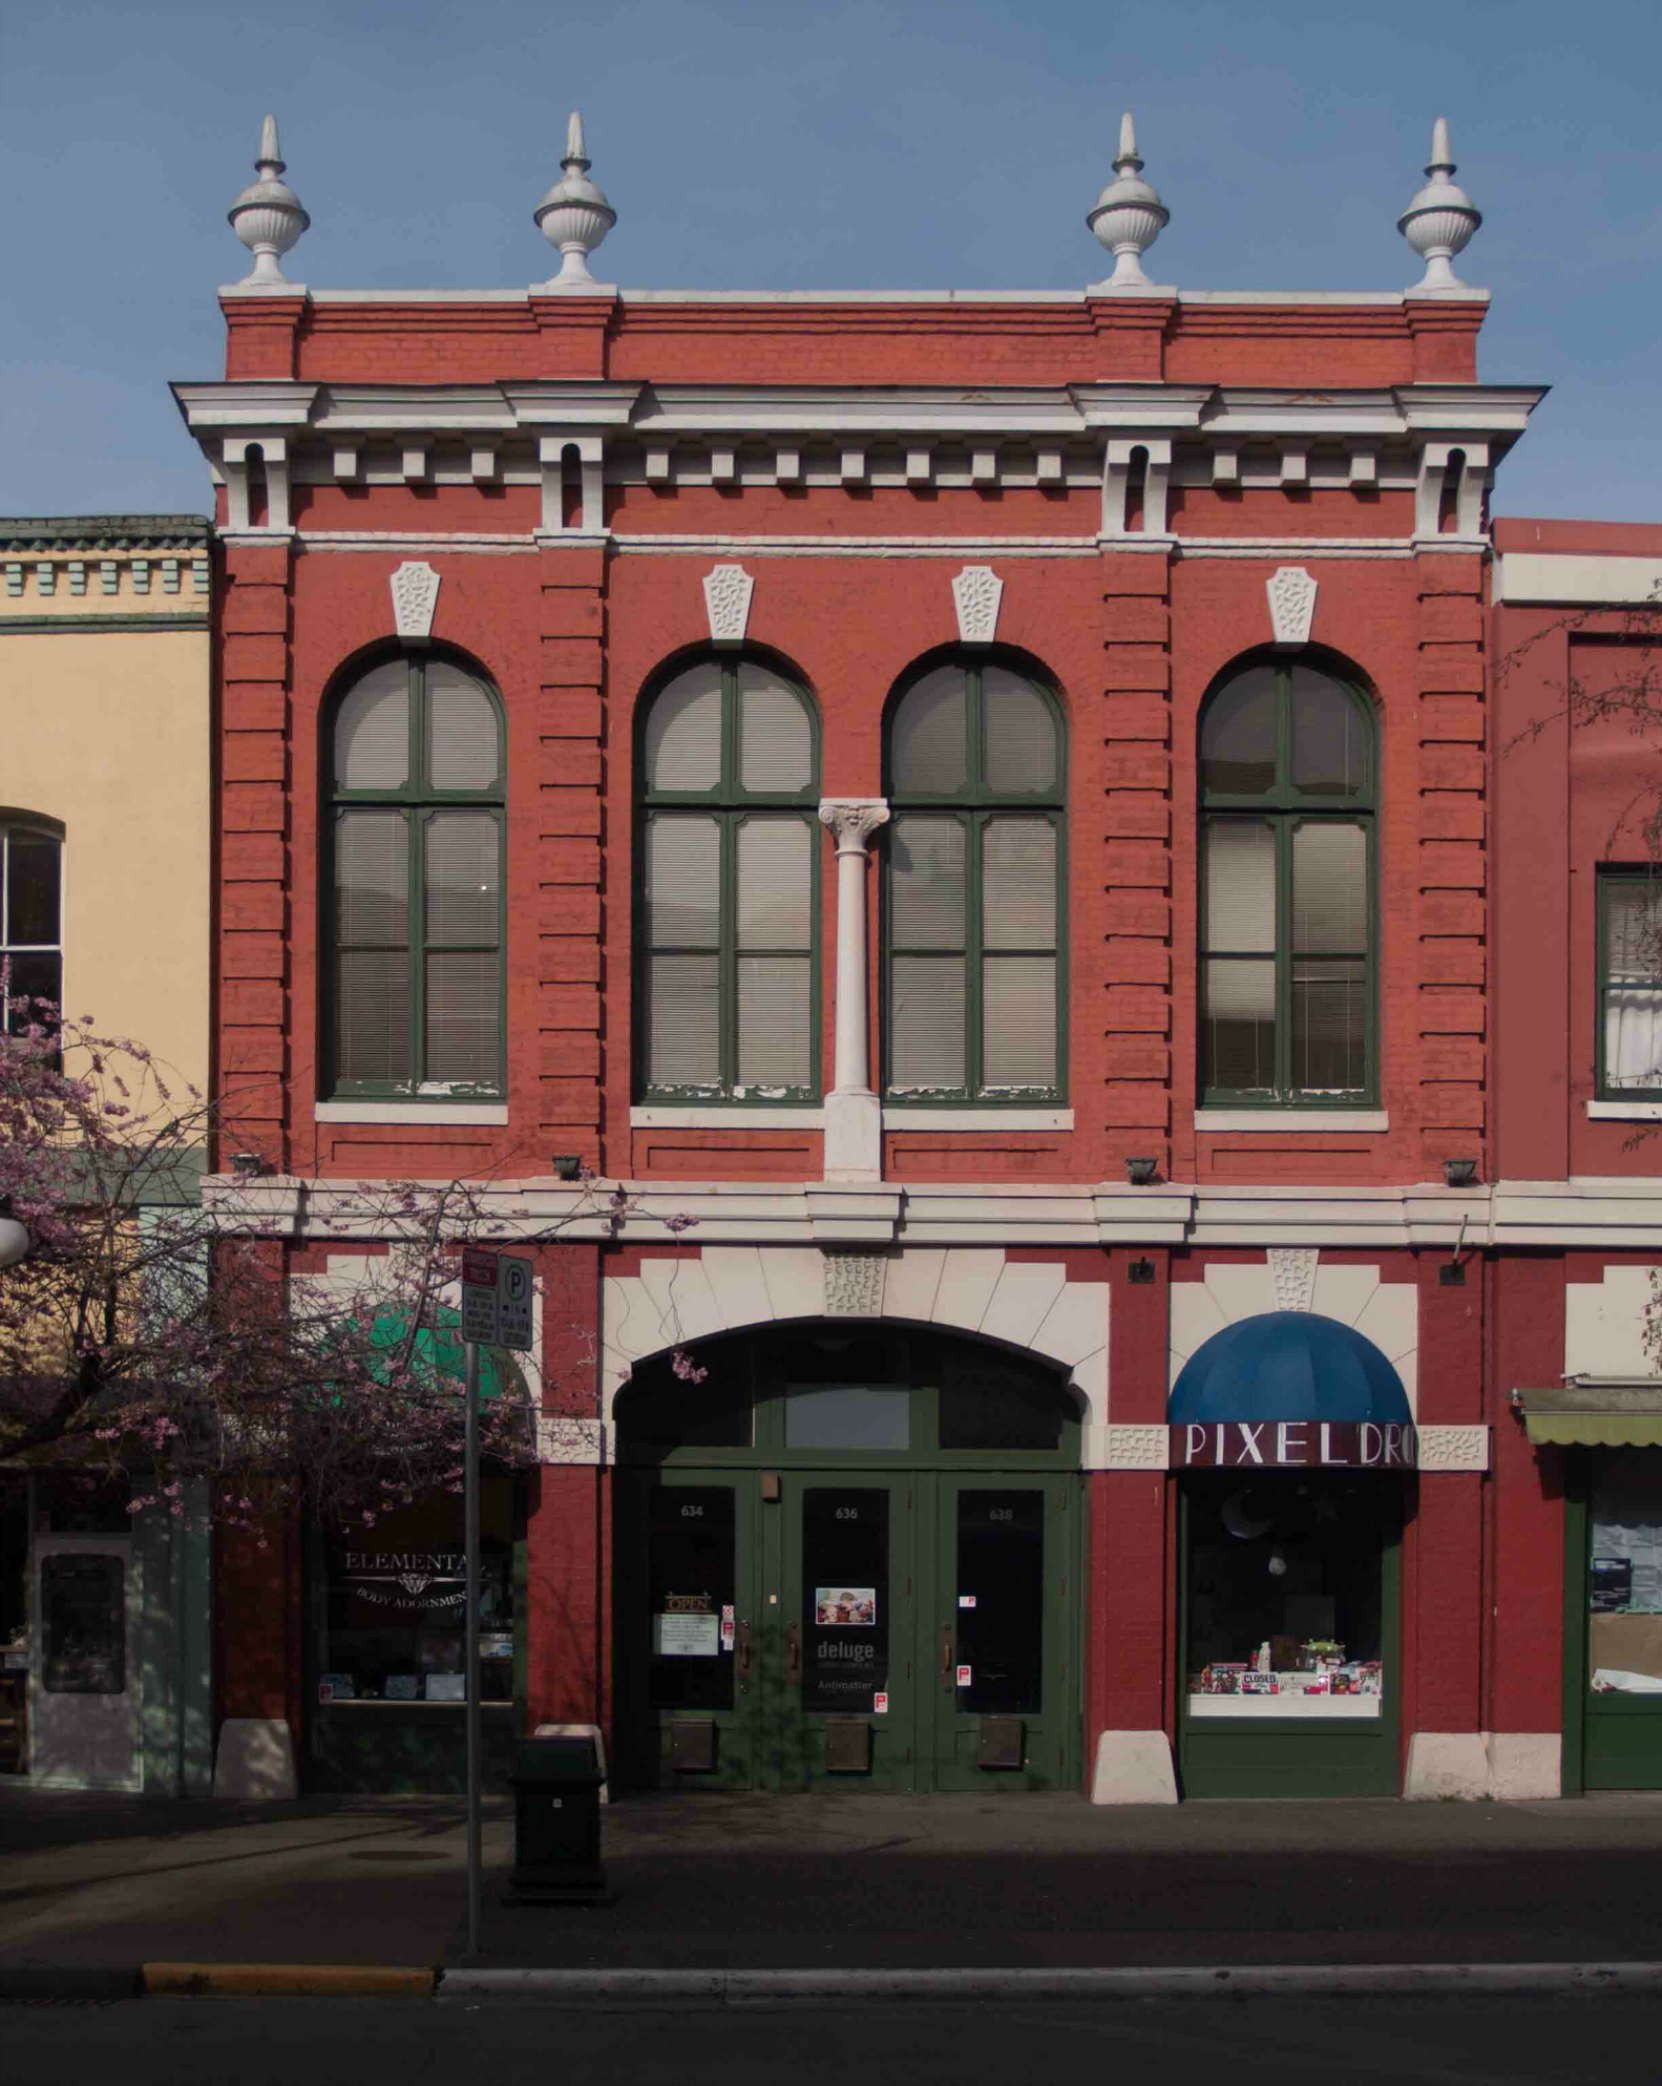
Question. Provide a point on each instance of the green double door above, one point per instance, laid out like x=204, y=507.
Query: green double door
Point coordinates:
x=800, y=1629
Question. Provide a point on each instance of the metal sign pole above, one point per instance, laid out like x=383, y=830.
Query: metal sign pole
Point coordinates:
x=470, y=1470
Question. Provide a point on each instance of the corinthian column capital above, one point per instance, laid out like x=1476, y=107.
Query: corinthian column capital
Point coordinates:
x=853, y=820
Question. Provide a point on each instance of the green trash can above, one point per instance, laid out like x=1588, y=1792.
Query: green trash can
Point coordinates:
x=556, y=1784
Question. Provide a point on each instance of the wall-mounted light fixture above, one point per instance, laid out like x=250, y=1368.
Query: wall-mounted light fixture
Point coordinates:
x=247, y=1166
x=1139, y=1172
x=567, y=1166
x=1141, y=1271
x=1459, y=1173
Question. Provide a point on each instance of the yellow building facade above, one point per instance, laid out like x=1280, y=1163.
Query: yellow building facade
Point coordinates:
x=106, y=840
x=106, y=749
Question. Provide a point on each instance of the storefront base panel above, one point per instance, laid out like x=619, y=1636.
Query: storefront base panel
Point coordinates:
x=1623, y=1746
x=1290, y=1763
x=385, y=1750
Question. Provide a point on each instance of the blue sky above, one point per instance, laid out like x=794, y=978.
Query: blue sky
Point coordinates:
x=768, y=144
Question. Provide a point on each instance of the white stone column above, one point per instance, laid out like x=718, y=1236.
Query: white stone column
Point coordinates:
x=853, y=1115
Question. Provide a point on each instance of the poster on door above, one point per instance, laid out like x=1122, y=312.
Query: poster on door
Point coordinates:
x=845, y=1607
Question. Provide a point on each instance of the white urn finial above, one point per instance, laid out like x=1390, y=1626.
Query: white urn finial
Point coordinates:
x=1129, y=215
x=574, y=216
x=1441, y=219
x=267, y=216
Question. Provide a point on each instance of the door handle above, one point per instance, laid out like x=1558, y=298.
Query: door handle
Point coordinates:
x=744, y=1654
x=946, y=1655
x=793, y=1655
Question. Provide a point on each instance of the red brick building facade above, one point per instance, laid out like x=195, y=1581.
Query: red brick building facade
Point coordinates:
x=1123, y=500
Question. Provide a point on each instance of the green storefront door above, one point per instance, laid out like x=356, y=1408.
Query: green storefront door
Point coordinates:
x=848, y=1558
x=853, y=1629
x=1613, y=1620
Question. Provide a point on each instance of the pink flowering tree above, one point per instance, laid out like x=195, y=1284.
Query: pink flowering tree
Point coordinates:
x=150, y=1332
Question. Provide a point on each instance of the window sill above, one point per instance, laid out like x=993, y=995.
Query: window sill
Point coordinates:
x=1634, y=1111
x=1303, y=1121
x=989, y=1117
x=727, y=1115
x=414, y=1112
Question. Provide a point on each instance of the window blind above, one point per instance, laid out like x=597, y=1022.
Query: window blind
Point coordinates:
x=775, y=874
x=683, y=881
x=372, y=878
x=927, y=882
x=683, y=732
x=1330, y=748
x=1020, y=733
x=372, y=731
x=1018, y=883
x=926, y=1044
x=463, y=738
x=927, y=743
x=1018, y=1034
x=1240, y=885
x=1237, y=749
x=776, y=752
x=1330, y=889
x=373, y=1015
x=683, y=1021
x=463, y=1018
x=773, y=994
x=463, y=878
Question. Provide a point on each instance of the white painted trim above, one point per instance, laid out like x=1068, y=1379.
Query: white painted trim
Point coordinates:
x=414, y=1112
x=990, y=1119
x=1577, y=578
x=1378, y=299
x=1625, y=1111
x=734, y=1116
x=1302, y=1121
x=867, y=546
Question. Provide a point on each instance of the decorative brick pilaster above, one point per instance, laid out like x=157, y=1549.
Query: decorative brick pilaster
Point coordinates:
x=255, y=871
x=571, y=900
x=1136, y=716
x=1453, y=952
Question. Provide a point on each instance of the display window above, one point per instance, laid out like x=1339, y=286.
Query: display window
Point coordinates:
x=1624, y=1579
x=1285, y=1597
x=393, y=1608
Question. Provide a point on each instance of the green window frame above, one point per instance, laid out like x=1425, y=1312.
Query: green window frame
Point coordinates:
x=1629, y=983
x=31, y=920
x=965, y=822
x=392, y=1033
x=1267, y=834
x=723, y=960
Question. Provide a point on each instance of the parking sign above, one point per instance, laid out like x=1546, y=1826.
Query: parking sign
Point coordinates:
x=513, y=1302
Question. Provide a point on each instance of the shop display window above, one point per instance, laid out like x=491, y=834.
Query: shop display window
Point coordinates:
x=393, y=1603
x=1284, y=1596
x=1624, y=1578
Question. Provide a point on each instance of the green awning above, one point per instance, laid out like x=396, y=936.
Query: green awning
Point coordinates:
x=1610, y=1430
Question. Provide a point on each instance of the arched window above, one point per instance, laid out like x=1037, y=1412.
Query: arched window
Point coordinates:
x=1288, y=795
x=974, y=912
x=31, y=918
x=727, y=924
x=416, y=835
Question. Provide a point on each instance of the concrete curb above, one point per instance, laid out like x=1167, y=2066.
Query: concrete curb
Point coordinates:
x=287, y=1980
x=820, y=1987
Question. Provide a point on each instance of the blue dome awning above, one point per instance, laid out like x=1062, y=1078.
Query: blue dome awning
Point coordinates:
x=1288, y=1365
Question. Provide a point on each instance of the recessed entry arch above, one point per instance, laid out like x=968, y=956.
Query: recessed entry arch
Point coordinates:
x=1028, y=1307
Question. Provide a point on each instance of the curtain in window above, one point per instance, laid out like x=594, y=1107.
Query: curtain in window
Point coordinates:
x=1633, y=985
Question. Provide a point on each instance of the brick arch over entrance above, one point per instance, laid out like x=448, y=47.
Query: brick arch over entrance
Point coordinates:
x=1030, y=1305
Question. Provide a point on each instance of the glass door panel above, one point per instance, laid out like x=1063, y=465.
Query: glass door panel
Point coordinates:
x=846, y=1707
x=1623, y=1746
x=1005, y=1673
x=697, y=1624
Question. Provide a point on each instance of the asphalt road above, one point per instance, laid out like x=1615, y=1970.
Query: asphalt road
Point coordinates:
x=1476, y=2042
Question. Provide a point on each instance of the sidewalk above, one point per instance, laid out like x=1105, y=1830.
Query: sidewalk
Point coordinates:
x=840, y=1883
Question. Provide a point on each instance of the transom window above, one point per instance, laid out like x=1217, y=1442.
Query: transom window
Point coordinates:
x=974, y=888
x=1630, y=984
x=31, y=920
x=728, y=913
x=416, y=832
x=1288, y=793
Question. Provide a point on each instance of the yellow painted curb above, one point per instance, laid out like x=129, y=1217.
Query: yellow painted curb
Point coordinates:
x=297, y=1980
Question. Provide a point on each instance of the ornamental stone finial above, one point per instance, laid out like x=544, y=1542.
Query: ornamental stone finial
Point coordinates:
x=1129, y=215
x=267, y=216
x=574, y=216
x=1441, y=219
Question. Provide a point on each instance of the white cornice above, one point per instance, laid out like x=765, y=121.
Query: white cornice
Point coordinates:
x=1573, y=1214
x=1339, y=299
